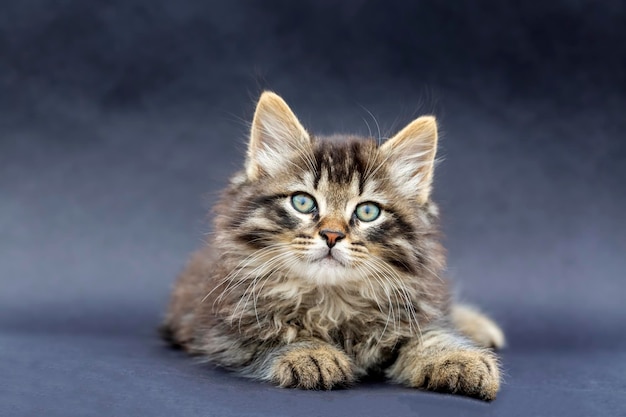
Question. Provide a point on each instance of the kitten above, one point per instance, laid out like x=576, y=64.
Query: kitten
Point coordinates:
x=326, y=266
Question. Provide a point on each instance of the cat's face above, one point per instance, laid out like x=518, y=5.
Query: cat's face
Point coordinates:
x=334, y=210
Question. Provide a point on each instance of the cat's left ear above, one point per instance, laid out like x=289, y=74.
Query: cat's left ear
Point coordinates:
x=411, y=156
x=275, y=137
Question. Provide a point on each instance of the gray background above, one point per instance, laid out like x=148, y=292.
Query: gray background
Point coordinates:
x=120, y=121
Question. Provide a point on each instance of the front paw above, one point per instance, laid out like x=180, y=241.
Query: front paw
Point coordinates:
x=473, y=373
x=319, y=367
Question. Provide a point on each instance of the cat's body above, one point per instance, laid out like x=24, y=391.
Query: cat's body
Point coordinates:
x=326, y=266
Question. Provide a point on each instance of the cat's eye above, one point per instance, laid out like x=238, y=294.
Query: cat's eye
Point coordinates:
x=303, y=203
x=367, y=212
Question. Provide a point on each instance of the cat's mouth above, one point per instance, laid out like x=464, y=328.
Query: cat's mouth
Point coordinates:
x=330, y=260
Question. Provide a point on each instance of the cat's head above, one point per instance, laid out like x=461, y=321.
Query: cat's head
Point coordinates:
x=332, y=210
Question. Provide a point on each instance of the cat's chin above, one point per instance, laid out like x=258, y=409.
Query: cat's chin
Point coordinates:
x=329, y=271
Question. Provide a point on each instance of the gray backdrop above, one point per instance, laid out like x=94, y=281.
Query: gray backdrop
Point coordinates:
x=120, y=121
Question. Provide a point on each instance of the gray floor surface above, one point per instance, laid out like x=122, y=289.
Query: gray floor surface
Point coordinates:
x=104, y=192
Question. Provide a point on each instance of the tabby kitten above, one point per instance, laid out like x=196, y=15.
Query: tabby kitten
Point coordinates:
x=326, y=266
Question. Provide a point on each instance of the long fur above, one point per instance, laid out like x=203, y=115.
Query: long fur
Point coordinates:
x=268, y=298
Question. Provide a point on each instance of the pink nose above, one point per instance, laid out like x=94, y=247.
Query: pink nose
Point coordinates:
x=331, y=236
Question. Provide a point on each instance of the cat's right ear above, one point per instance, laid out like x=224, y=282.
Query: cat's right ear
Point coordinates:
x=275, y=136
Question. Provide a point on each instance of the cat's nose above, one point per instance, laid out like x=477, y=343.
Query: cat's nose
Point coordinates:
x=331, y=236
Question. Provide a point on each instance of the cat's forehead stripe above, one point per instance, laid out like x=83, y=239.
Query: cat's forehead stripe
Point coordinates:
x=340, y=162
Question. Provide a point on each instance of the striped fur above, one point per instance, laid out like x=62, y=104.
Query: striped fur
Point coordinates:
x=270, y=299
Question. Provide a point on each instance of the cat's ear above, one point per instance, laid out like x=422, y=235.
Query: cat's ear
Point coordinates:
x=411, y=156
x=275, y=137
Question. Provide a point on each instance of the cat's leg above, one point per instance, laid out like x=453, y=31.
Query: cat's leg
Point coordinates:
x=441, y=360
x=477, y=326
x=306, y=364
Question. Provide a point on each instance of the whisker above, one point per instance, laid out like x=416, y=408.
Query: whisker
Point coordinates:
x=233, y=276
x=401, y=286
x=274, y=261
x=390, y=310
x=376, y=122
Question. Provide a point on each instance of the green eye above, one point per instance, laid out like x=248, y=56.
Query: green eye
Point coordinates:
x=303, y=203
x=367, y=212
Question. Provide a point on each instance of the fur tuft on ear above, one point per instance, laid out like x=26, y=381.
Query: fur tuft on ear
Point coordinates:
x=411, y=155
x=275, y=136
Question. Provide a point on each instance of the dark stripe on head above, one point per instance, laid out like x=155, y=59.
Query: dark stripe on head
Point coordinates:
x=359, y=164
x=378, y=233
x=340, y=161
x=319, y=156
x=257, y=239
x=264, y=200
x=400, y=223
x=393, y=254
x=283, y=219
x=397, y=258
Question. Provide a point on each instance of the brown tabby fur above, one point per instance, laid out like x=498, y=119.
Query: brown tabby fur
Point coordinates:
x=261, y=300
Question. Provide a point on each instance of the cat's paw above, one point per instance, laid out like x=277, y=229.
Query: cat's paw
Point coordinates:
x=320, y=367
x=473, y=373
x=477, y=327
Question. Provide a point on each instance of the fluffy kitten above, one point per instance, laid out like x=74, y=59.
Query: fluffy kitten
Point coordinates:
x=326, y=266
